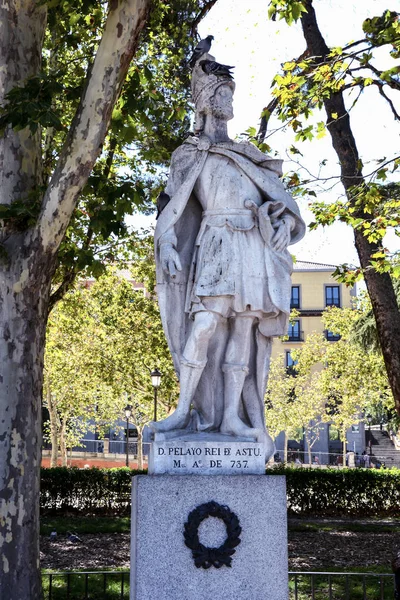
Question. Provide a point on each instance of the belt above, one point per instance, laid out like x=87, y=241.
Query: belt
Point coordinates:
x=227, y=212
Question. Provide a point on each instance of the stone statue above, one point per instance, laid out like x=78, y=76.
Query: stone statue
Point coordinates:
x=223, y=270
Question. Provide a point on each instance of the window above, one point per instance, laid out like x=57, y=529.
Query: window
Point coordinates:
x=289, y=360
x=290, y=364
x=295, y=297
x=355, y=429
x=332, y=295
x=332, y=337
x=294, y=332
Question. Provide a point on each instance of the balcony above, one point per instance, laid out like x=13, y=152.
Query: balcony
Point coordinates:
x=331, y=337
x=295, y=336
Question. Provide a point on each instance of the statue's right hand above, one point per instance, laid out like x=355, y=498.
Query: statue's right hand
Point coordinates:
x=170, y=260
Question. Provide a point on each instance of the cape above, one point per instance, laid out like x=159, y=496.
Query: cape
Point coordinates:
x=179, y=224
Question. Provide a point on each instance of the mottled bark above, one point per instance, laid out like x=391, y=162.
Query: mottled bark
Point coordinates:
x=28, y=258
x=22, y=26
x=379, y=285
x=23, y=310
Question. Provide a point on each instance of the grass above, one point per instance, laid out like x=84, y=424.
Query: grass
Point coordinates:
x=370, y=527
x=84, y=525
x=122, y=525
x=340, y=587
x=86, y=586
x=115, y=586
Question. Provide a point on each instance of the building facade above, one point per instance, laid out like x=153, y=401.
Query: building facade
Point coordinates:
x=313, y=290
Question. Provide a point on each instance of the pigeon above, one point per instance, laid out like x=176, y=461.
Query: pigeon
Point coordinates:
x=162, y=202
x=211, y=67
x=73, y=538
x=53, y=536
x=202, y=48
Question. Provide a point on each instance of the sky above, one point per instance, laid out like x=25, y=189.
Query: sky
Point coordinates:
x=246, y=38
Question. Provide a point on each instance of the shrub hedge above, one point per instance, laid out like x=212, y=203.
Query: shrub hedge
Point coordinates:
x=317, y=492
x=87, y=491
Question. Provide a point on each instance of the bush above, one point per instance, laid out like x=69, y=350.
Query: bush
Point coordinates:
x=342, y=492
x=87, y=491
x=317, y=492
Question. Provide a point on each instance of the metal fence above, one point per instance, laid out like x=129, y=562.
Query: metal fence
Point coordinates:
x=114, y=585
x=114, y=447
x=324, y=459
x=341, y=586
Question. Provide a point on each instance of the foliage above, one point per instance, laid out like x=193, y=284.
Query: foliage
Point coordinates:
x=301, y=91
x=102, y=343
x=281, y=412
x=365, y=333
x=77, y=397
x=150, y=119
x=350, y=379
x=317, y=492
x=340, y=492
x=87, y=491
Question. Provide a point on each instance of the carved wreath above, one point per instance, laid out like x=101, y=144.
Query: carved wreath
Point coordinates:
x=202, y=555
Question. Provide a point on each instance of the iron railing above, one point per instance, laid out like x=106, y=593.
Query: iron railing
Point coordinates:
x=341, y=586
x=311, y=585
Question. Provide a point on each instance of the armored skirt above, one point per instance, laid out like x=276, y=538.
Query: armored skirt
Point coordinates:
x=228, y=272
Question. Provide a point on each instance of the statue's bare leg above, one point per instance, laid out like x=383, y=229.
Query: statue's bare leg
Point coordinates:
x=235, y=372
x=193, y=361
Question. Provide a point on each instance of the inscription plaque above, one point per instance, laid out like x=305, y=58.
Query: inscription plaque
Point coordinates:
x=206, y=458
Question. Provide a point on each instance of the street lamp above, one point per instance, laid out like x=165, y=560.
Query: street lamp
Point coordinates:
x=369, y=419
x=155, y=380
x=128, y=412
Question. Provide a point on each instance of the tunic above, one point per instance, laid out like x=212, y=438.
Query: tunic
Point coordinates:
x=228, y=270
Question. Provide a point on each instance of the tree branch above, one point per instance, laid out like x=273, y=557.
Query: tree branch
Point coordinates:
x=204, y=11
x=262, y=131
x=382, y=93
x=89, y=127
x=71, y=275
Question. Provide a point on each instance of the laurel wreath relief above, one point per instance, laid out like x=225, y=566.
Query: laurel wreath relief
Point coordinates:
x=202, y=555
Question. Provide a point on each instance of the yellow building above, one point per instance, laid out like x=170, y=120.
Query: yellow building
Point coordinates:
x=313, y=289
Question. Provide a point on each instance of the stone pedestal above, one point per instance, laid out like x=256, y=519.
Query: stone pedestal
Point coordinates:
x=163, y=567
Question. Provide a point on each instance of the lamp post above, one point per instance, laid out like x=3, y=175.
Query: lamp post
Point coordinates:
x=128, y=412
x=155, y=380
x=369, y=419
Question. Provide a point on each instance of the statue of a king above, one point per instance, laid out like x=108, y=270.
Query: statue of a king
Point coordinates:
x=223, y=270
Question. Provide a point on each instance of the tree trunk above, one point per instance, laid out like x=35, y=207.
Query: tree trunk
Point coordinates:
x=379, y=285
x=140, y=447
x=27, y=259
x=344, y=447
x=23, y=319
x=63, y=445
x=285, y=448
x=309, y=450
x=52, y=406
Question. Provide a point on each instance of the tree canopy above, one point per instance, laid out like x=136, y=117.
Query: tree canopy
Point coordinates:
x=333, y=79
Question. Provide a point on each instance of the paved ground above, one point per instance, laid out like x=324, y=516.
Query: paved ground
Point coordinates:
x=308, y=550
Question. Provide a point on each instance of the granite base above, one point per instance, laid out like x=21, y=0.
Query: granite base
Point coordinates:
x=162, y=566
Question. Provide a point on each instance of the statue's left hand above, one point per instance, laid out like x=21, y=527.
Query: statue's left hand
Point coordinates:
x=281, y=238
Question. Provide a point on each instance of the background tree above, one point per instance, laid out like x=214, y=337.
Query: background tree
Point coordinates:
x=76, y=394
x=102, y=343
x=349, y=380
x=321, y=79
x=280, y=410
x=55, y=114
